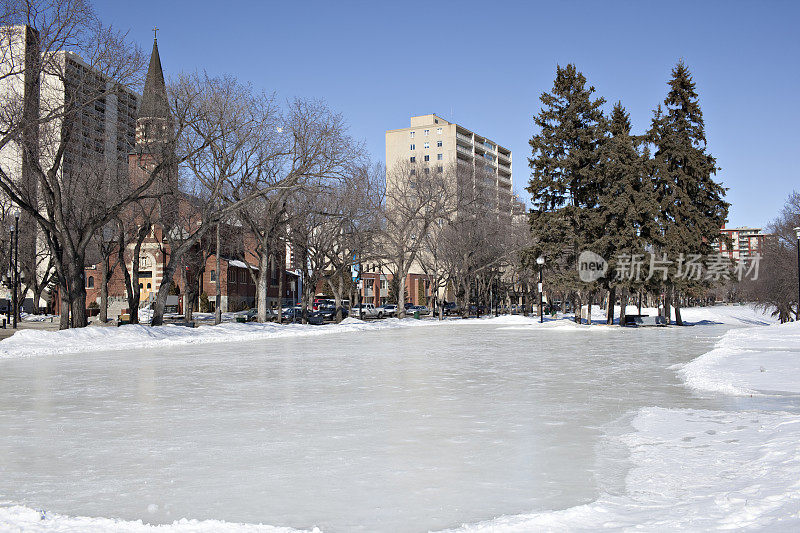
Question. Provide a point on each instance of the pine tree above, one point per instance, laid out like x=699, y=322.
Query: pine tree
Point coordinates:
x=627, y=206
x=564, y=182
x=692, y=205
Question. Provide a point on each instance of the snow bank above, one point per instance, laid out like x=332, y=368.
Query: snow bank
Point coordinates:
x=18, y=518
x=691, y=470
x=30, y=342
x=750, y=361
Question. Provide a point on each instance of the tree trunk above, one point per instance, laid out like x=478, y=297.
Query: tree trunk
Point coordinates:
x=678, y=319
x=401, y=295
x=578, y=308
x=589, y=309
x=667, y=305
x=281, y=290
x=263, y=281
x=104, y=290
x=218, y=299
x=78, y=292
x=623, y=304
x=63, y=319
x=612, y=296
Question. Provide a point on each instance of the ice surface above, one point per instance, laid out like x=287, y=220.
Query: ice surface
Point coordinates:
x=393, y=429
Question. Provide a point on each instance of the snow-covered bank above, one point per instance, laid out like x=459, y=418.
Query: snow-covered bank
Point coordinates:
x=750, y=361
x=26, y=343
x=24, y=519
x=691, y=470
x=30, y=342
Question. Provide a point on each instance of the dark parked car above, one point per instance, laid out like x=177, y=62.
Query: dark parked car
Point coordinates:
x=451, y=308
x=328, y=312
x=295, y=314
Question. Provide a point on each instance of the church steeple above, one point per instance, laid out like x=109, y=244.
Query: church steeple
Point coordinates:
x=154, y=115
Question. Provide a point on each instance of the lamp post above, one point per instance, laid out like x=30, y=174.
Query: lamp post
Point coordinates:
x=540, y=262
x=15, y=271
x=797, y=232
x=10, y=274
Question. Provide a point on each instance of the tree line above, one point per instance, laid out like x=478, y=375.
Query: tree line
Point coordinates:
x=645, y=203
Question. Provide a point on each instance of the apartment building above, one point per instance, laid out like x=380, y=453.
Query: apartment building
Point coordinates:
x=105, y=125
x=744, y=242
x=36, y=85
x=432, y=140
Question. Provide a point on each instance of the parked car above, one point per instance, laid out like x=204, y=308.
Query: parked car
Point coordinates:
x=251, y=315
x=328, y=312
x=389, y=310
x=367, y=311
x=451, y=308
x=421, y=309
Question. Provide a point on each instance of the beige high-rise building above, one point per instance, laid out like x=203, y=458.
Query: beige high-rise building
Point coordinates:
x=431, y=140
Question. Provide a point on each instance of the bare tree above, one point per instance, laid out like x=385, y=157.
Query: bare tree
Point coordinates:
x=776, y=287
x=414, y=198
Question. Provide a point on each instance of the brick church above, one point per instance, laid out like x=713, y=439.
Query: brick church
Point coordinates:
x=196, y=283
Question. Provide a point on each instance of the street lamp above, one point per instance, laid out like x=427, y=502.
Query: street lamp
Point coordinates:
x=540, y=262
x=14, y=271
x=797, y=232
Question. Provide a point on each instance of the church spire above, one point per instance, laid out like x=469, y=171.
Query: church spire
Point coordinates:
x=154, y=97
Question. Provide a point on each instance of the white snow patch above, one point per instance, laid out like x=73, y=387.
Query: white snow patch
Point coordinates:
x=750, y=361
x=29, y=342
x=18, y=518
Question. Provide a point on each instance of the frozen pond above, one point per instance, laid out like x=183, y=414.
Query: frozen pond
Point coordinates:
x=406, y=429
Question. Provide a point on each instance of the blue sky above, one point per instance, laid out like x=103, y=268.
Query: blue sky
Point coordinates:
x=369, y=62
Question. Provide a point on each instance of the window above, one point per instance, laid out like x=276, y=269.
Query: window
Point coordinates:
x=436, y=120
x=439, y=157
x=413, y=159
x=412, y=134
x=413, y=171
x=427, y=170
x=438, y=131
x=213, y=276
x=383, y=284
x=90, y=282
x=426, y=132
x=427, y=145
x=438, y=144
x=412, y=147
x=427, y=158
x=440, y=169
x=149, y=286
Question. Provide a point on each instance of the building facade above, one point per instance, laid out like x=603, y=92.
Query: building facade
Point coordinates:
x=743, y=242
x=433, y=141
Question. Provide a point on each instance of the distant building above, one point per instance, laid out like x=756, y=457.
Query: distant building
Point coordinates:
x=743, y=242
x=432, y=141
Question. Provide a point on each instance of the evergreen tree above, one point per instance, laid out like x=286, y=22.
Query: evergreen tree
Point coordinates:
x=692, y=205
x=627, y=206
x=564, y=183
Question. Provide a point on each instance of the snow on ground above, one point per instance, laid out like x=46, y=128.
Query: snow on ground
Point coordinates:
x=750, y=361
x=23, y=519
x=30, y=342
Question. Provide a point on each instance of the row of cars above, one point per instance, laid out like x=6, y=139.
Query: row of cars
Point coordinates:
x=325, y=311
x=386, y=311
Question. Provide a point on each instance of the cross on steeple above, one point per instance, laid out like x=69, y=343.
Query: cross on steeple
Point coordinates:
x=155, y=33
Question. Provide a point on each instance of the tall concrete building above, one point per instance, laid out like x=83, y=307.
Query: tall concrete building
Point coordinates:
x=36, y=88
x=431, y=140
x=104, y=126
